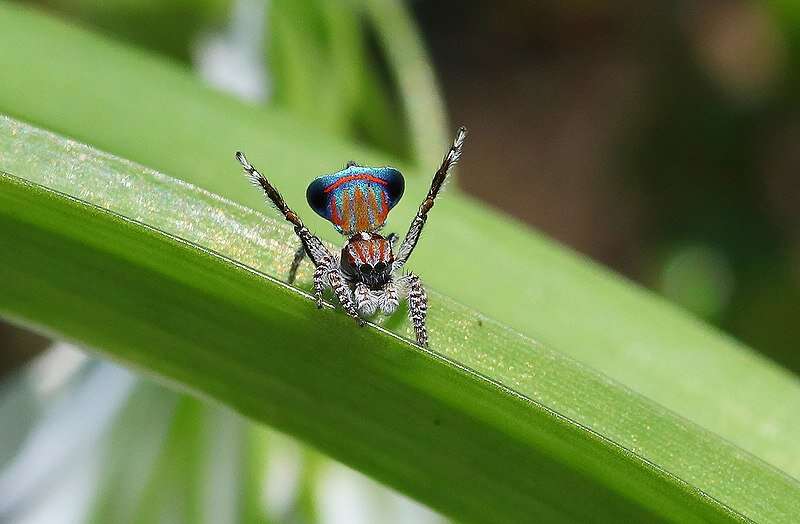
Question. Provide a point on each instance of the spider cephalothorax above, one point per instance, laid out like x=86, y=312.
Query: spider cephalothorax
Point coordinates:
x=366, y=277
x=368, y=258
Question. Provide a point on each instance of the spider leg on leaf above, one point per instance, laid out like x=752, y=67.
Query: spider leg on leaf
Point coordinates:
x=364, y=300
x=327, y=272
x=388, y=298
x=410, y=283
x=417, y=305
x=343, y=294
x=320, y=283
x=299, y=255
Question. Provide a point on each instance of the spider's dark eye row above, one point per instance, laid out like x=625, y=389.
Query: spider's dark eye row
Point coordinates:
x=366, y=268
x=380, y=266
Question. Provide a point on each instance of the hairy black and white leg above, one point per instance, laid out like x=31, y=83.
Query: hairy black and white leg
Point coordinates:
x=312, y=245
x=417, y=306
x=299, y=255
x=320, y=283
x=439, y=178
x=343, y=294
x=389, y=299
x=365, y=302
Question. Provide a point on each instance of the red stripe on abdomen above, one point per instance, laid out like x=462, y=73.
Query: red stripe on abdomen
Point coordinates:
x=350, y=178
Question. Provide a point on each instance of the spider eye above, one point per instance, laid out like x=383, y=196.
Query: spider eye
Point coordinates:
x=366, y=268
x=380, y=266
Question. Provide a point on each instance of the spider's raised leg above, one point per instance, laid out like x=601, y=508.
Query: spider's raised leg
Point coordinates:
x=417, y=306
x=414, y=232
x=312, y=245
x=327, y=272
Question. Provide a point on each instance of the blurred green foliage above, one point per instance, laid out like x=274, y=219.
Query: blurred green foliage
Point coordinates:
x=667, y=125
x=165, y=26
x=726, y=258
x=703, y=159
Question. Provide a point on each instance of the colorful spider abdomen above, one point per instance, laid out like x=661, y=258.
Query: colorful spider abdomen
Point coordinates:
x=356, y=199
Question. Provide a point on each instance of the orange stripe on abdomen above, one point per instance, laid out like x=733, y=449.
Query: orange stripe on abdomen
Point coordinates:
x=374, y=209
x=346, y=212
x=362, y=213
x=335, y=213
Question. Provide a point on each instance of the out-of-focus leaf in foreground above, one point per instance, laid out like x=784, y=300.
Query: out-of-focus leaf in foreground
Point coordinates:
x=489, y=427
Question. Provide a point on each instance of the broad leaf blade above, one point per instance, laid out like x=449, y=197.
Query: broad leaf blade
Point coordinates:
x=151, y=111
x=489, y=428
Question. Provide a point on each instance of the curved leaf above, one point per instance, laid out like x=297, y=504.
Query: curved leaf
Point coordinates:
x=491, y=427
x=148, y=110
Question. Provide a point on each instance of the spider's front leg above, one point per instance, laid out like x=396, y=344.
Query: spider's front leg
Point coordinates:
x=417, y=306
x=389, y=299
x=343, y=294
x=365, y=302
x=320, y=283
x=415, y=230
x=312, y=245
x=299, y=255
x=327, y=267
x=328, y=274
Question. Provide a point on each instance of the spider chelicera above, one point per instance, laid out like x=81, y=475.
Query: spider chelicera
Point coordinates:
x=367, y=277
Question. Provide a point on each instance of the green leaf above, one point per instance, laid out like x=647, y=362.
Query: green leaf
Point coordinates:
x=150, y=111
x=168, y=26
x=491, y=427
x=322, y=73
x=414, y=75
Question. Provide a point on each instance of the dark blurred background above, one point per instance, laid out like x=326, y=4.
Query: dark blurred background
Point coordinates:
x=659, y=138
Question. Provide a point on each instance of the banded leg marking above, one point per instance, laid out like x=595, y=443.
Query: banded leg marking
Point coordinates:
x=415, y=230
x=364, y=301
x=342, y=293
x=389, y=299
x=320, y=275
x=417, y=307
